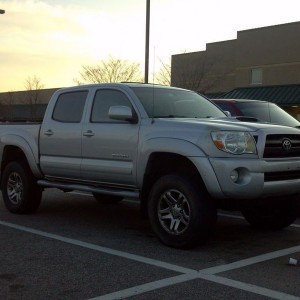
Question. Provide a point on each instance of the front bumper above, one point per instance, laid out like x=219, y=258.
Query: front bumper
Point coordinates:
x=251, y=183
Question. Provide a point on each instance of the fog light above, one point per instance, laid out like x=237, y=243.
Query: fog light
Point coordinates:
x=234, y=175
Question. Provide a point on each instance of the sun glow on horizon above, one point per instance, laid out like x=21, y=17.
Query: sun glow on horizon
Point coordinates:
x=54, y=39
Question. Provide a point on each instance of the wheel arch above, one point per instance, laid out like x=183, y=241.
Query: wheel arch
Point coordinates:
x=163, y=163
x=16, y=148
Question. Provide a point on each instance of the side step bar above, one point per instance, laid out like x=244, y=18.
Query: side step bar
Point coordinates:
x=91, y=189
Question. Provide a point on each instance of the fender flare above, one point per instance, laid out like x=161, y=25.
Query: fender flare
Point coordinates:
x=169, y=145
x=30, y=154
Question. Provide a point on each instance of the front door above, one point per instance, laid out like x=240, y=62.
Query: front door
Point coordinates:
x=109, y=147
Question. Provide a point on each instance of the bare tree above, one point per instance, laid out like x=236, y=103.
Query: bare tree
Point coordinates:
x=33, y=86
x=111, y=70
x=197, y=71
x=164, y=75
x=9, y=98
x=7, y=102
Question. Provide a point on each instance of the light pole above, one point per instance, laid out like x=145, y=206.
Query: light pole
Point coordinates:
x=147, y=41
x=2, y=11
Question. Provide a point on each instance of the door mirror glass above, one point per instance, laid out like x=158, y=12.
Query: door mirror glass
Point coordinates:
x=121, y=113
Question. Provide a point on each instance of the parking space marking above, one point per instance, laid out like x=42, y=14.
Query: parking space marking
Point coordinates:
x=148, y=287
x=110, y=251
x=155, y=285
x=187, y=274
x=251, y=260
x=209, y=274
x=249, y=287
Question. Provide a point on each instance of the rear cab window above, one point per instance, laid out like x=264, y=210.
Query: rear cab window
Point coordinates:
x=69, y=107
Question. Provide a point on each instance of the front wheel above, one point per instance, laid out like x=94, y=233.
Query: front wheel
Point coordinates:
x=180, y=212
x=20, y=192
x=272, y=215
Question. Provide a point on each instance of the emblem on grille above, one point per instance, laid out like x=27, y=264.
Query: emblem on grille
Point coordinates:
x=286, y=144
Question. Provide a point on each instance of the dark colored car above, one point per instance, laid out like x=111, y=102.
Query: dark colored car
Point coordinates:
x=262, y=110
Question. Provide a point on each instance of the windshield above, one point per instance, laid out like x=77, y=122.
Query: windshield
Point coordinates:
x=269, y=112
x=175, y=103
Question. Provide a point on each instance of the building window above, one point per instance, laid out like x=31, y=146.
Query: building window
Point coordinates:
x=256, y=76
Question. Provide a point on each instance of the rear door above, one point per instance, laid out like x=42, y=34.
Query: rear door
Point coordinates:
x=60, y=137
x=109, y=147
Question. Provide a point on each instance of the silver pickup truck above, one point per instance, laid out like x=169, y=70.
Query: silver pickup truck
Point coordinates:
x=172, y=149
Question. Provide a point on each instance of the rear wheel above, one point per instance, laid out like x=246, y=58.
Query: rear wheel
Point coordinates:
x=272, y=215
x=20, y=192
x=181, y=214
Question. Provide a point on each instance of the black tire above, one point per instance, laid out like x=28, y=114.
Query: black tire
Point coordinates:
x=180, y=212
x=21, y=195
x=107, y=199
x=272, y=215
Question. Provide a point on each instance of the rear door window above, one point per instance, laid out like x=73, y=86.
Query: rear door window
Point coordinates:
x=69, y=107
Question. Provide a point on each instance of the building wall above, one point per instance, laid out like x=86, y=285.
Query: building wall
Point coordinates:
x=221, y=58
x=274, y=49
x=23, y=97
x=268, y=45
x=24, y=105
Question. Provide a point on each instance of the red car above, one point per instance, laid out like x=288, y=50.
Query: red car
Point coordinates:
x=262, y=110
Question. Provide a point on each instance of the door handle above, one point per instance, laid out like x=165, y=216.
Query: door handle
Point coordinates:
x=89, y=133
x=48, y=132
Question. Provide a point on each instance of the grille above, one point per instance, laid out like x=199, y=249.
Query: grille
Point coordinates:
x=274, y=146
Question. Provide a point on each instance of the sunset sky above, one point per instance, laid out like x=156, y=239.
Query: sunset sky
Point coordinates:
x=52, y=39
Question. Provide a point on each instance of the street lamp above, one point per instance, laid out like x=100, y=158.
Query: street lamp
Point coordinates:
x=2, y=11
x=147, y=41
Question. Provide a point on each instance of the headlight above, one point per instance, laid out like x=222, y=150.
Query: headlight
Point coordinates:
x=234, y=142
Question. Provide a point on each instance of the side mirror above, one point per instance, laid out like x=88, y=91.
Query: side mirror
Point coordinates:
x=227, y=113
x=122, y=113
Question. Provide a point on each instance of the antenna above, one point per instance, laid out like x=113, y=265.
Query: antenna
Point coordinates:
x=269, y=112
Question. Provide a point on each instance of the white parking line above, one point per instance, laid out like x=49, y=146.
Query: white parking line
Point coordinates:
x=255, y=289
x=208, y=274
x=188, y=274
x=110, y=251
x=148, y=287
x=155, y=285
x=251, y=261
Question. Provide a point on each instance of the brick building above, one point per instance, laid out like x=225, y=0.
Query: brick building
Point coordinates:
x=24, y=105
x=262, y=63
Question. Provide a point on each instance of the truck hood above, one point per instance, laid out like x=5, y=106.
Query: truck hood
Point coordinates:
x=198, y=132
x=224, y=123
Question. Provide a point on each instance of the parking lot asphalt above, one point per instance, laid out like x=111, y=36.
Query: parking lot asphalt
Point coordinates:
x=75, y=248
